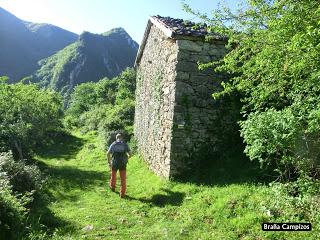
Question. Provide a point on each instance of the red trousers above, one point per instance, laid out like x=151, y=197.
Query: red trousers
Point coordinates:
x=113, y=180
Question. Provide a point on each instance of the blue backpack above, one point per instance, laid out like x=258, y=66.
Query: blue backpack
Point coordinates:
x=119, y=155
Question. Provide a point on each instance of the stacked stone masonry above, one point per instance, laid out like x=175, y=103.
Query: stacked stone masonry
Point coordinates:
x=174, y=104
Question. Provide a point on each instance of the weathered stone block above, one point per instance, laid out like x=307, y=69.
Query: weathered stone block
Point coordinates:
x=207, y=47
x=214, y=52
x=184, y=66
x=172, y=57
x=184, y=89
x=189, y=45
x=183, y=55
x=203, y=91
x=166, y=90
x=183, y=75
x=200, y=79
x=199, y=58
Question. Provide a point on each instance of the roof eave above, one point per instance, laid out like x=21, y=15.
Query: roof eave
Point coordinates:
x=167, y=31
x=151, y=21
x=170, y=34
x=143, y=43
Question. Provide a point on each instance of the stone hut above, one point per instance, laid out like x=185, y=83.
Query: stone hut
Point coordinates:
x=174, y=105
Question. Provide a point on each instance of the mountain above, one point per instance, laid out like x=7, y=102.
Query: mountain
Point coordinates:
x=23, y=44
x=91, y=58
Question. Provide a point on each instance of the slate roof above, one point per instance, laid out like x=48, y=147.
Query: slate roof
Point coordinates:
x=177, y=29
x=182, y=27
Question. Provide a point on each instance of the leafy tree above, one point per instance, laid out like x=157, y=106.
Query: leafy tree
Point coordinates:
x=27, y=115
x=107, y=105
x=83, y=97
x=274, y=58
x=18, y=184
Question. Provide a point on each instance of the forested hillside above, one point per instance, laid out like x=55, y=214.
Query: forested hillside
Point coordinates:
x=23, y=44
x=92, y=57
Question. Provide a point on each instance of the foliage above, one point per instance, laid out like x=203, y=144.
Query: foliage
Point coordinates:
x=22, y=177
x=12, y=210
x=83, y=97
x=119, y=116
x=18, y=183
x=27, y=116
x=294, y=201
x=110, y=137
x=107, y=105
x=274, y=59
x=271, y=134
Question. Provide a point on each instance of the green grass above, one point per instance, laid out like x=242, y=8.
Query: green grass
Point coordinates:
x=77, y=196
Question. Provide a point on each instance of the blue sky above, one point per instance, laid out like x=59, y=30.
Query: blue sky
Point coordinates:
x=99, y=16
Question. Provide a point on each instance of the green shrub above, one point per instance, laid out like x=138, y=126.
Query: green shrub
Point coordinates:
x=12, y=210
x=27, y=116
x=274, y=65
x=270, y=137
x=110, y=137
x=296, y=201
x=133, y=145
x=23, y=178
x=108, y=107
x=279, y=138
x=18, y=183
x=83, y=97
x=119, y=116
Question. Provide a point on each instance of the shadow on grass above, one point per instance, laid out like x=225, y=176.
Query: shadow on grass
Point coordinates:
x=42, y=218
x=236, y=169
x=70, y=178
x=64, y=181
x=162, y=200
x=62, y=146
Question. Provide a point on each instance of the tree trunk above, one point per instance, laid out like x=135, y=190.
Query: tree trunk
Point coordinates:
x=19, y=148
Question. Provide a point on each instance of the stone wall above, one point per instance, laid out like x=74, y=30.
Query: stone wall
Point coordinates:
x=176, y=118
x=155, y=98
x=195, y=110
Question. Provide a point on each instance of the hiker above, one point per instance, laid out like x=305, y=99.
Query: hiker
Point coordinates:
x=118, y=154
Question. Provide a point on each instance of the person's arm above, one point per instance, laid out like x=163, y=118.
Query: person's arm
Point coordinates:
x=128, y=151
x=109, y=157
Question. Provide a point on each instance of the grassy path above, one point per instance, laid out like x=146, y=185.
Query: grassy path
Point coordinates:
x=81, y=207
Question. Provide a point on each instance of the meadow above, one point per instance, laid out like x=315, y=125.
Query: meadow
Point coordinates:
x=79, y=205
